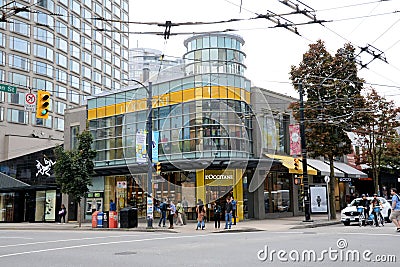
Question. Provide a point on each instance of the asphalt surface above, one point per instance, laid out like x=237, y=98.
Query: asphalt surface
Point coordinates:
x=331, y=245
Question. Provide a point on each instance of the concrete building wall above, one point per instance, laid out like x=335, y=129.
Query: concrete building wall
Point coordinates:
x=74, y=117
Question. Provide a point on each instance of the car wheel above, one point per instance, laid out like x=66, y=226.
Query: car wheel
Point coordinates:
x=387, y=218
x=346, y=223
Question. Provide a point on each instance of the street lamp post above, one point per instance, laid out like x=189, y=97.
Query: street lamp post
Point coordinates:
x=149, y=127
x=149, y=140
x=307, y=202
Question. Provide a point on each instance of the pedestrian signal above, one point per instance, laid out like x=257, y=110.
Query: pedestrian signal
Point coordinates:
x=296, y=164
x=43, y=104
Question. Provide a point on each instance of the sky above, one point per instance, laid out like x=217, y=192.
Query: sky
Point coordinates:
x=271, y=51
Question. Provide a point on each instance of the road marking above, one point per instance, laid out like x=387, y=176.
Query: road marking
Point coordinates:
x=14, y=237
x=66, y=240
x=107, y=243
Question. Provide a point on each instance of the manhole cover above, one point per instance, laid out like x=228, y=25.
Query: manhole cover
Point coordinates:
x=126, y=253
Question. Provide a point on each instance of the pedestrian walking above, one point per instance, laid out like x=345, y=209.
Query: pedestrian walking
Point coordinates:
x=185, y=205
x=201, y=212
x=62, y=213
x=233, y=201
x=171, y=213
x=228, y=213
x=395, y=214
x=163, y=210
x=217, y=215
x=180, y=213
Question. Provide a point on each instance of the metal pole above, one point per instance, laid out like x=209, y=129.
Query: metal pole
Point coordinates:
x=304, y=156
x=327, y=179
x=149, y=128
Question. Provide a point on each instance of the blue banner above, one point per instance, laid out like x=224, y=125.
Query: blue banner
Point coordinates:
x=155, y=138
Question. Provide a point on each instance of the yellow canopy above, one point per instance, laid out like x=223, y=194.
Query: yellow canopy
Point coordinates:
x=288, y=162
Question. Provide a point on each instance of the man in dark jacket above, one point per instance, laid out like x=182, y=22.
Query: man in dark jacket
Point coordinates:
x=228, y=213
x=163, y=210
x=364, y=202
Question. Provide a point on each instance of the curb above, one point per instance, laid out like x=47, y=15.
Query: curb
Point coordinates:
x=315, y=225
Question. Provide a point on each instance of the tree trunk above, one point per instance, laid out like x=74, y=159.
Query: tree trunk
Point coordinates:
x=332, y=202
x=79, y=214
x=376, y=180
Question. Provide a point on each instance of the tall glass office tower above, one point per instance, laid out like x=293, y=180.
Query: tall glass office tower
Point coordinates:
x=72, y=49
x=66, y=47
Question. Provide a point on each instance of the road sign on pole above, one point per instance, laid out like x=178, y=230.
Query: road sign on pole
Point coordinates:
x=8, y=88
x=30, y=102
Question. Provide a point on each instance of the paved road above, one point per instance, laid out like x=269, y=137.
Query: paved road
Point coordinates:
x=106, y=248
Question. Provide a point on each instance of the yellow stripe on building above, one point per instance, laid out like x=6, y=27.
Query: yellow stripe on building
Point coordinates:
x=199, y=93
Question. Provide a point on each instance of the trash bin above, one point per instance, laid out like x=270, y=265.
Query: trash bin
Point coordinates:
x=128, y=217
x=106, y=219
x=113, y=219
x=94, y=219
x=100, y=220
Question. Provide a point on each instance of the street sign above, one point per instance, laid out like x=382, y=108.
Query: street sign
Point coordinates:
x=8, y=88
x=30, y=102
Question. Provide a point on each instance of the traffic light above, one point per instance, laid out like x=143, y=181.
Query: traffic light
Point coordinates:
x=42, y=104
x=296, y=164
x=158, y=168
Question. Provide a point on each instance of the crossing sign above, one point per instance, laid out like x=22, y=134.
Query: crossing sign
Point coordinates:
x=30, y=102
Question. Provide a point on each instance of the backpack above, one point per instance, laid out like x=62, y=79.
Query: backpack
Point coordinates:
x=163, y=207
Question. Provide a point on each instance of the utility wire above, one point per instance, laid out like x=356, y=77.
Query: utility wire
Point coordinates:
x=354, y=5
x=391, y=26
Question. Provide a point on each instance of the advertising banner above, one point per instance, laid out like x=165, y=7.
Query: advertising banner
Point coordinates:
x=295, y=144
x=156, y=138
x=318, y=197
x=141, y=152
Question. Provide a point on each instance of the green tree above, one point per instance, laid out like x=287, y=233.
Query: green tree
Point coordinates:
x=332, y=88
x=391, y=155
x=74, y=169
x=378, y=133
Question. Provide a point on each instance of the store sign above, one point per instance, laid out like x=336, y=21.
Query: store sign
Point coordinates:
x=218, y=177
x=344, y=179
x=44, y=169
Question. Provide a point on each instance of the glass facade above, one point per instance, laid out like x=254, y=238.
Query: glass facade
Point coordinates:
x=203, y=116
x=193, y=123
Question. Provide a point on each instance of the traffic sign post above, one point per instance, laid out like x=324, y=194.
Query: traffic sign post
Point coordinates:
x=327, y=180
x=30, y=102
x=8, y=88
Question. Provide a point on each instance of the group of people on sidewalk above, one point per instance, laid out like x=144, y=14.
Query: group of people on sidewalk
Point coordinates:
x=171, y=212
x=229, y=213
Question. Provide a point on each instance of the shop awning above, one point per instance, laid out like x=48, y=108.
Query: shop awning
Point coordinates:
x=288, y=162
x=348, y=170
x=10, y=182
x=323, y=168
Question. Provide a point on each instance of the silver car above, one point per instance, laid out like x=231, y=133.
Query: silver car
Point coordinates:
x=350, y=213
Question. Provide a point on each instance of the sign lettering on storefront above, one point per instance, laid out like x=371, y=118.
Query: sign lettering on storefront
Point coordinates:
x=344, y=179
x=218, y=177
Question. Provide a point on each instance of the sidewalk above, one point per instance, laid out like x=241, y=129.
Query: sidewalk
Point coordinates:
x=250, y=225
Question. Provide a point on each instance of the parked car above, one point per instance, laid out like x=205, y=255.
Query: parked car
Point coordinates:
x=350, y=214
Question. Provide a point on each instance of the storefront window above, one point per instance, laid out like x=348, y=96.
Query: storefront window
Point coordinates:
x=45, y=206
x=6, y=207
x=277, y=193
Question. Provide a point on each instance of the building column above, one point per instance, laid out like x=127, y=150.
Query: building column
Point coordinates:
x=200, y=188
